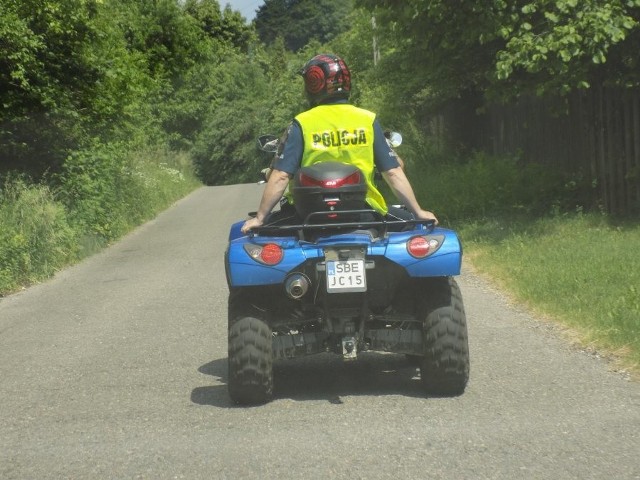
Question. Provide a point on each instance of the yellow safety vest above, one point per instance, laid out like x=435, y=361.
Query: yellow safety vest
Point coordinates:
x=341, y=133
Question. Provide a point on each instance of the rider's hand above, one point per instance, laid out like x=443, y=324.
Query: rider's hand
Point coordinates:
x=251, y=223
x=426, y=215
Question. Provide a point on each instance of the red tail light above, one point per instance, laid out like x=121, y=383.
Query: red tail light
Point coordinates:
x=418, y=247
x=269, y=254
x=307, y=181
x=423, y=246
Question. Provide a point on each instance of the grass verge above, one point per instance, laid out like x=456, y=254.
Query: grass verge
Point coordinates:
x=100, y=197
x=582, y=271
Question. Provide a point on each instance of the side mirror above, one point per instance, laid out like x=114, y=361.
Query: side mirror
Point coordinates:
x=268, y=143
x=395, y=139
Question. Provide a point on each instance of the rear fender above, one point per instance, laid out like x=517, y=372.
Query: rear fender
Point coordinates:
x=242, y=270
x=445, y=261
x=235, y=231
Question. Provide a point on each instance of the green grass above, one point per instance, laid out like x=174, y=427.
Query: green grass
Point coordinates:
x=583, y=271
x=35, y=235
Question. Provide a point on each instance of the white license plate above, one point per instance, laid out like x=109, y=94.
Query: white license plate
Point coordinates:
x=346, y=276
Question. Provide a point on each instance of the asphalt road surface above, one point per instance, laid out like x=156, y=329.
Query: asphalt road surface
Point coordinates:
x=116, y=368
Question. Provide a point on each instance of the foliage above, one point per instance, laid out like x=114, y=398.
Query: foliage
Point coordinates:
x=108, y=190
x=35, y=235
x=484, y=186
x=93, y=183
x=73, y=71
x=355, y=47
x=94, y=92
x=227, y=26
x=560, y=44
x=102, y=195
x=253, y=98
x=505, y=47
x=220, y=152
x=433, y=52
x=46, y=79
x=301, y=21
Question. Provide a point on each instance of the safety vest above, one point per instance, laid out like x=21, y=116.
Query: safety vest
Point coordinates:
x=341, y=133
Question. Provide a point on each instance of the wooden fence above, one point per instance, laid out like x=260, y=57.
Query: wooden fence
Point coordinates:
x=594, y=134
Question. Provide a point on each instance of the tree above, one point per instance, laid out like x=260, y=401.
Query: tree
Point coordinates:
x=224, y=26
x=49, y=80
x=74, y=73
x=254, y=96
x=434, y=49
x=507, y=47
x=563, y=44
x=301, y=21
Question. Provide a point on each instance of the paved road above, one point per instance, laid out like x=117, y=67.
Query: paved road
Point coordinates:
x=117, y=367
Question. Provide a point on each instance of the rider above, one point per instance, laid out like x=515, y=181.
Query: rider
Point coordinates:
x=327, y=84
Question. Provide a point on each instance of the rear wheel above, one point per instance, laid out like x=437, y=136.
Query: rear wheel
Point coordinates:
x=250, y=354
x=445, y=364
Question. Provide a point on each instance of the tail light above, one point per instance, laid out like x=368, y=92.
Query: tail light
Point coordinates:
x=422, y=246
x=308, y=181
x=269, y=254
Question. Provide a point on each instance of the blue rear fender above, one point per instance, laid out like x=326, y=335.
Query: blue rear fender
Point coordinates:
x=235, y=231
x=445, y=261
x=243, y=270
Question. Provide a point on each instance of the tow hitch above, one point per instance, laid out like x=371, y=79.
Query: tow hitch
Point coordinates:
x=349, y=348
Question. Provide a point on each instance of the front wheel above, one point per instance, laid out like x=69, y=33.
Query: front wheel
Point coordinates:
x=250, y=357
x=444, y=367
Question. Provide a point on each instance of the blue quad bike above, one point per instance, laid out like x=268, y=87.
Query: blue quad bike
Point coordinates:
x=343, y=280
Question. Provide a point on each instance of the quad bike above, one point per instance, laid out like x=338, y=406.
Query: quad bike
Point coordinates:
x=345, y=280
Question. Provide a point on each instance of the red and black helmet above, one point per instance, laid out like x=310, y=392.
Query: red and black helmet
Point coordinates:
x=326, y=76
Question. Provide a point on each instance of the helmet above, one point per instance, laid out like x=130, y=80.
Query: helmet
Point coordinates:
x=326, y=77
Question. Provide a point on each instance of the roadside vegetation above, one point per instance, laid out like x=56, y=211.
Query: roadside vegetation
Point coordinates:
x=99, y=117
x=528, y=232
x=43, y=229
x=114, y=109
x=579, y=270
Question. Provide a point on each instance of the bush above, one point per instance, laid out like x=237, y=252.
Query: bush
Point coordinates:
x=101, y=196
x=36, y=238
x=485, y=186
x=108, y=190
x=252, y=98
x=91, y=184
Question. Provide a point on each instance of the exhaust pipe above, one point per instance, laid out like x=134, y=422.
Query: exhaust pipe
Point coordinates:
x=296, y=285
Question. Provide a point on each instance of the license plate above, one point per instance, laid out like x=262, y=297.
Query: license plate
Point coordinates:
x=346, y=276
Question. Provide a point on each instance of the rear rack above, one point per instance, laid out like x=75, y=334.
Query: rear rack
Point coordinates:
x=307, y=226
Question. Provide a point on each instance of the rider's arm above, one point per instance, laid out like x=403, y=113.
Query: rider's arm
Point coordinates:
x=399, y=184
x=276, y=185
x=291, y=140
x=388, y=163
x=282, y=168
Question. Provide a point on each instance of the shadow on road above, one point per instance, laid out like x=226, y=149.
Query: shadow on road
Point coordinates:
x=323, y=377
x=215, y=395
